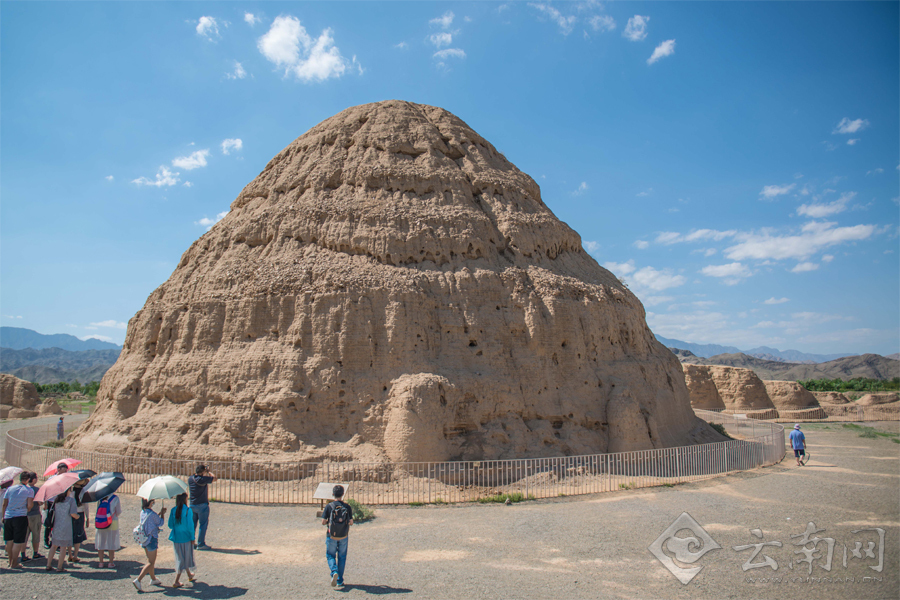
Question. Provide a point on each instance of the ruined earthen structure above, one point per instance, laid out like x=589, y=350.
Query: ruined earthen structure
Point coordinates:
x=790, y=395
x=830, y=397
x=738, y=389
x=702, y=388
x=390, y=287
x=19, y=400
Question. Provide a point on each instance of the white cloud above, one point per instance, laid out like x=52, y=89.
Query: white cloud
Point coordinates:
x=773, y=191
x=709, y=251
x=581, y=189
x=804, y=267
x=238, y=72
x=829, y=147
x=827, y=258
x=231, y=144
x=813, y=237
x=698, y=235
x=449, y=52
x=443, y=38
x=109, y=178
x=645, y=193
x=188, y=184
x=733, y=271
x=667, y=48
x=852, y=142
x=774, y=300
x=654, y=300
x=164, y=177
x=251, y=19
x=636, y=29
x=602, y=23
x=565, y=23
x=657, y=280
x=111, y=323
x=848, y=126
x=591, y=247
x=13, y=316
x=288, y=46
x=102, y=338
x=208, y=27
x=208, y=223
x=624, y=268
x=444, y=21
x=641, y=244
x=818, y=211
x=194, y=161
x=401, y=46
x=798, y=175
x=872, y=172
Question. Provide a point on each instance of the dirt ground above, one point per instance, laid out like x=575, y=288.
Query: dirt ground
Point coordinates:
x=578, y=547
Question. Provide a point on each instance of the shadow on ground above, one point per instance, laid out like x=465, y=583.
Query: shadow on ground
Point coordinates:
x=375, y=589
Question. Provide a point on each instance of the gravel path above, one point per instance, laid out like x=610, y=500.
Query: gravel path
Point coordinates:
x=580, y=547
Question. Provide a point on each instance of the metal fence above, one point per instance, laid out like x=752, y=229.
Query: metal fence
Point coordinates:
x=824, y=413
x=758, y=444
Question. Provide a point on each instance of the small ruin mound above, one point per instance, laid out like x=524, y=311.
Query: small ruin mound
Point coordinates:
x=830, y=398
x=789, y=396
x=19, y=400
x=702, y=388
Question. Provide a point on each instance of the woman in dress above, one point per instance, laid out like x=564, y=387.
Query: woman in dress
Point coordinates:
x=107, y=540
x=181, y=524
x=151, y=523
x=79, y=523
x=65, y=512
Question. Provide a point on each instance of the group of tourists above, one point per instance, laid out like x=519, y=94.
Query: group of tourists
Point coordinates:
x=65, y=519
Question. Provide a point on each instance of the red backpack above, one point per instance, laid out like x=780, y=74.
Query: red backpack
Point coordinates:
x=104, y=518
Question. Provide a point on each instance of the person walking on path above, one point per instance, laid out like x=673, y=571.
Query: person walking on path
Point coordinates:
x=181, y=526
x=65, y=511
x=198, y=485
x=78, y=524
x=59, y=429
x=338, y=517
x=107, y=538
x=151, y=523
x=34, y=522
x=19, y=499
x=798, y=443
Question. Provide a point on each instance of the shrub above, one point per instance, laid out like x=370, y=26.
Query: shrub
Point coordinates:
x=55, y=443
x=514, y=497
x=721, y=429
x=417, y=504
x=361, y=512
x=440, y=501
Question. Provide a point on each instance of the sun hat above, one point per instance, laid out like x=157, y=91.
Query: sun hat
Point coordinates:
x=797, y=426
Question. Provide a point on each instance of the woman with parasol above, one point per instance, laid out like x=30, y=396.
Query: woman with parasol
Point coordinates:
x=64, y=512
x=101, y=489
x=83, y=521
x=147, y=531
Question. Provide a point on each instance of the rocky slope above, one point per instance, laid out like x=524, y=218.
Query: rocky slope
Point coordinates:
x=390, y=287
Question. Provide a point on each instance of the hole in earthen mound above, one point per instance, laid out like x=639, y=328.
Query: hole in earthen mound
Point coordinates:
x=472, y=343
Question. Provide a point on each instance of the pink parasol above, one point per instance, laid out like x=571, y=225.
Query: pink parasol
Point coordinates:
x=55, y=486
x=69, y=462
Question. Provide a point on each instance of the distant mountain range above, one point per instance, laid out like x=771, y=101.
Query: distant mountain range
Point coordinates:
x=19, y=338
x=762, y=352
x=871, y=366
x=51, y=365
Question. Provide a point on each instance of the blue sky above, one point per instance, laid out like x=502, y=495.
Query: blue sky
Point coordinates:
x=735, y=163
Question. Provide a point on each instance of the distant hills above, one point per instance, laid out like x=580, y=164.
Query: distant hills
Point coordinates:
x=872, y=366
x=762, y=352
x=52, y=365
x=19, y=338
x=41, y=358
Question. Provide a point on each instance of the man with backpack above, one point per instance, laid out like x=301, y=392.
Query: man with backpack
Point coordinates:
x=338, y=516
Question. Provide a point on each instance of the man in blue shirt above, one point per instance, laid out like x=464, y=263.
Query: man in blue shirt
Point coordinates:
x=200, y=502
x=798, y=443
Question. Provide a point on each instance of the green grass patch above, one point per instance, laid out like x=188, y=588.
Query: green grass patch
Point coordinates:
x=440, y=501
x=852, y=426
x=867, y=434
x=361, y=512
x=55, y=443
x=895, y=440
x=626, y=486
x=668, y=485
x=417, y=504
x=871, y=432
x=502, y=498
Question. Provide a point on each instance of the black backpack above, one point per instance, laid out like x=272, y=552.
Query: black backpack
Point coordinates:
x=339, y=519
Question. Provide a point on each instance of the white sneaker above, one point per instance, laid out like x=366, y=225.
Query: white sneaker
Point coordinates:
x=157, y=582
x=137, y=585
x=333, y=579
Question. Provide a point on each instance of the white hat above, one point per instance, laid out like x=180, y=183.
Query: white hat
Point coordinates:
x=797, y=426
